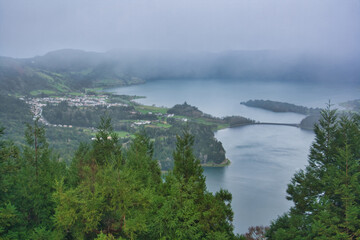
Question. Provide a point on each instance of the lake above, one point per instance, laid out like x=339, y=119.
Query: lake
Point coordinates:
x=264, y=157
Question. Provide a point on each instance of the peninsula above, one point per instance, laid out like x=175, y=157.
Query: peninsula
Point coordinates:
x=275, y=106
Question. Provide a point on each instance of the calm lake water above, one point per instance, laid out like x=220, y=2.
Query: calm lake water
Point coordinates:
x=264, y=157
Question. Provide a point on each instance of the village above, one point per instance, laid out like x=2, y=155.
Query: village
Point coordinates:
x=37, y=104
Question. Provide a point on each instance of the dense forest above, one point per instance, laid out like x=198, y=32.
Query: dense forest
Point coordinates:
x=326, y=194
x=14, y=113
x=206, y=147
x=106, y=192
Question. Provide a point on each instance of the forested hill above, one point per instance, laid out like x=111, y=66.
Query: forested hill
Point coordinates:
x=107, y=192
x=193, y=112
x=275, y=106
x=186, y=110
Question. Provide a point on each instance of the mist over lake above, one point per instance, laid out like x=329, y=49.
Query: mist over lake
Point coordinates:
x=264, y=157
x=221, y=98
x=186, y=60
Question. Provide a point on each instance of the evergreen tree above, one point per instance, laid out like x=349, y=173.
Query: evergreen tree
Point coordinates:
x=103, y=195
x=326, y=194
x=37, y=151
x=108, y=198
x=139, y=160
x=186, y=210
x=29, y=182
x=186, y=165
x=106, y=147
x=9, y=167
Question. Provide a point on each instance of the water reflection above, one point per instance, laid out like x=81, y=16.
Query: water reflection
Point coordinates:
x=263, y=160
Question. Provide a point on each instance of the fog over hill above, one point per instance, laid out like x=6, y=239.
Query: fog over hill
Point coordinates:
x=78, y=69
x=300, y=40
x=29, y=28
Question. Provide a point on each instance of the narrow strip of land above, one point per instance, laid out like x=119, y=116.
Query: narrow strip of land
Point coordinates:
x=281, y=124
x=269, y=123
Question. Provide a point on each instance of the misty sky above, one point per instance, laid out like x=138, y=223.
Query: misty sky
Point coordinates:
x=34, y=27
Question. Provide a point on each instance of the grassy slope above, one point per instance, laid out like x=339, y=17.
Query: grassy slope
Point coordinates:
x=59, y=74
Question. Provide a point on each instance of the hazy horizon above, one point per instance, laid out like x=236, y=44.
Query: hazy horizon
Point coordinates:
x=31, y=28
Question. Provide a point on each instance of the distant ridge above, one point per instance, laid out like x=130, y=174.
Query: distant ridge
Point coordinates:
x=71, y=69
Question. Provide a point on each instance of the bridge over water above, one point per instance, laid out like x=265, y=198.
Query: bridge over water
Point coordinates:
x=269, y=123
x=281, y=124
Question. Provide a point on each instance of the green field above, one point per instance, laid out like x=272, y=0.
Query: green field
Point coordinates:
x=39, y=92
x=123, y=134
x=146, y=109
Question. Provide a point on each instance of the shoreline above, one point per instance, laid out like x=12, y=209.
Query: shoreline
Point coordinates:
x=225, y=163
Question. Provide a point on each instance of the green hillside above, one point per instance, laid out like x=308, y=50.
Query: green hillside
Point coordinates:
x=60, y=72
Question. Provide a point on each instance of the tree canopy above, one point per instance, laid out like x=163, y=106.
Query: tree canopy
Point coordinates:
x=109, y=191
x=326, y=194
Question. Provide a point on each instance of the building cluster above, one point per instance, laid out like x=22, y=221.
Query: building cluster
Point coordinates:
x=78, y=101
x=139, y=123
x=37, y=104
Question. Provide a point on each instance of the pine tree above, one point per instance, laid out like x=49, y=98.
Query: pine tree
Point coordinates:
x=186, y=210
x=139, y=159
x=109, y=197
x=338, y=212
x=326, y=194
x=36, y=180
x=9, y=167
x=106, y=147
x=186, y=165
x=37, y=148
x=307, y=186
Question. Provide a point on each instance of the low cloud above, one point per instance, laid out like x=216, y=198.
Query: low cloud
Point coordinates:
x=29, y=28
